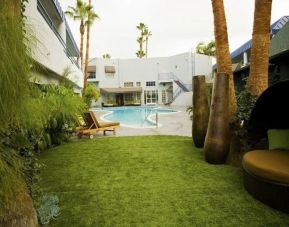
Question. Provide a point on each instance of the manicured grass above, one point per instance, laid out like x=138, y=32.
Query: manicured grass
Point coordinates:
x=148, y=181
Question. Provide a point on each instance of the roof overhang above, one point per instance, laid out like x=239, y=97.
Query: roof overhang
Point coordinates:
x=121, y=90
x=109, y=69
x=91, y=68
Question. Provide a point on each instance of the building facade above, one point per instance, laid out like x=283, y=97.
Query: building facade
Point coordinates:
x=278, y=56
x=53, y=46
x=152, y=81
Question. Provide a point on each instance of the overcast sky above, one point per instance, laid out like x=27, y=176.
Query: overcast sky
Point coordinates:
x=176, y=25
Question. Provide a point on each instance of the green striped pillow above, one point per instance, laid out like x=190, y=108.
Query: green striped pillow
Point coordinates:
x=278, y=139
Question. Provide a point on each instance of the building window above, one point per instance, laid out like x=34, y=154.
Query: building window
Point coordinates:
x=138, y=97
x=150, y=83
x=128, y=97
x=138, y=84
x=164, y=96
x=91, y=75
x=151, y=97
x=128, y=84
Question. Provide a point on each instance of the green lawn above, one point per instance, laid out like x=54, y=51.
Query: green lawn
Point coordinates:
x=148, y=181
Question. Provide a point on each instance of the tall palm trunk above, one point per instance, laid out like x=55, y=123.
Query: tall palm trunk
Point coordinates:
x=147, y=39
x=258, y=78
x=82, y=30
x=86, y=54
x=224, y=63
x=141, y=44
x=86, y=57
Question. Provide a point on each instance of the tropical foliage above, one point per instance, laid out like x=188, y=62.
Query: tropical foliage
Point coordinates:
x=33, y=117
x=106, y=56
x=13, y=92
x=206, y=49
x=144, y=35
x=246, y=102
x=90, y=94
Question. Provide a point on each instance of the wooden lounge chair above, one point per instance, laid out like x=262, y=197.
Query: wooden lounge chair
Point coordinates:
x=93, y=126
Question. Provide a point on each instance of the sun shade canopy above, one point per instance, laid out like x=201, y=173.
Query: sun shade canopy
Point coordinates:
x=109, y=69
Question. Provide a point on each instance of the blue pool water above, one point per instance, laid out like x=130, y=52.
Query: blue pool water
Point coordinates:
x=137, y=117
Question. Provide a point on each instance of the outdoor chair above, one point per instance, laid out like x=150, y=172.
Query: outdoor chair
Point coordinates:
x=92, y=126
x=266, y=166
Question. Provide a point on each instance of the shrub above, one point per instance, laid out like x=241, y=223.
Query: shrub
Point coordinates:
x=245, y=104
x=90, y=94
x=64, y=108
x=47, y=208
x=31, y=118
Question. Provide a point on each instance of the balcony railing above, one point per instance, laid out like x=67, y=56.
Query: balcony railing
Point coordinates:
x=166, y=76
x=49, y=21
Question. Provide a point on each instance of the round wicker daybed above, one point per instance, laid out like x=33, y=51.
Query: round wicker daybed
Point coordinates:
x=266, y=172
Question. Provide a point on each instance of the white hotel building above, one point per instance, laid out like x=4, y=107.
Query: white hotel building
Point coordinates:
x=152, y=81
x=52, y=43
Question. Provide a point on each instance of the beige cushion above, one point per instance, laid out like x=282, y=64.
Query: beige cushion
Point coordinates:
x=269, y=164
x=108, y=124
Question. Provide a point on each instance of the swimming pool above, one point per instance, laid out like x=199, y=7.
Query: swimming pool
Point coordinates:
x=135, y=117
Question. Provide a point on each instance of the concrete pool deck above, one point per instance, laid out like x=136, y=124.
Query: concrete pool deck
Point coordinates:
x=172, y=124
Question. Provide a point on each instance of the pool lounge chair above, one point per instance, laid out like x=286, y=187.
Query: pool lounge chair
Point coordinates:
x=93, y=126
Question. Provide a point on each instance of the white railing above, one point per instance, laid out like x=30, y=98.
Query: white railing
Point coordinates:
x=166, y=76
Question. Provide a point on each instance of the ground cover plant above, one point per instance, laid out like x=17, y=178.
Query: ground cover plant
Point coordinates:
x=148, y=181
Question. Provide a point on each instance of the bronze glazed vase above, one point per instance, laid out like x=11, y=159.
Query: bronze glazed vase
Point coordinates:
x=217, y=139
x=200, y=110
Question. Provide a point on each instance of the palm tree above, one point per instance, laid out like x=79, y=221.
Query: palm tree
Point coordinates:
x=91, y=17
x=206, y=49
x=147, y=34
x=140, y=53
x=217, y=142
x=224, y=63
x=141, y=39
x=106, y=56
x=79, y=12
x=258, y=78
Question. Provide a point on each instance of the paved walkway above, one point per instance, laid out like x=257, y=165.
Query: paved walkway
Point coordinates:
x=172, y=124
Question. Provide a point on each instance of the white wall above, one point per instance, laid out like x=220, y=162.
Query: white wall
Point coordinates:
x=47, y=49
x=142, y=70
x=202, y=65
x=184, y=99
x=183, y=66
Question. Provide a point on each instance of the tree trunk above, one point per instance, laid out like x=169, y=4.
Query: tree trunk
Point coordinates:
x=86, y=58
x=259, y=63
x=82, y=30
x=140, y=47
x=224, y=63
x=200, y=110
x=147, y=39
x=217, y=141
x=86, y=54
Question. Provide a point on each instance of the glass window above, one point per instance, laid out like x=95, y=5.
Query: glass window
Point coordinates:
x=138, y=84
x=164, y=96
x=128, y=97
x=151, y=97
x=150, y=83
x=128, y=84
x=91, y=75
